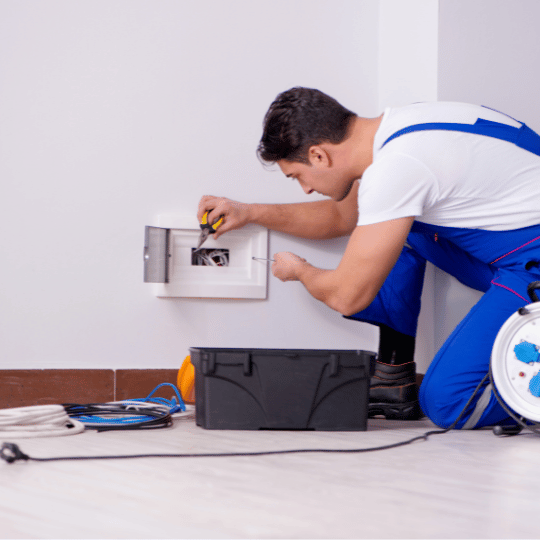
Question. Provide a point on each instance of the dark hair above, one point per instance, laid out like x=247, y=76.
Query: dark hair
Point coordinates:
x=298, y=119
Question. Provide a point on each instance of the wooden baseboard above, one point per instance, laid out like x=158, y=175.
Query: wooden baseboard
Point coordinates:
x=25, y=387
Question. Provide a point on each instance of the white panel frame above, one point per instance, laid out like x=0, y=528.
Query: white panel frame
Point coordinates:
x=243, y=278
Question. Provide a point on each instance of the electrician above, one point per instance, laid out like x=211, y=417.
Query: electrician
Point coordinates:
x=454, y=184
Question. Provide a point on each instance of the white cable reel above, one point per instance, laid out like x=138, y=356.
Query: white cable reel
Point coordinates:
x=515, y=359
x=38, y=421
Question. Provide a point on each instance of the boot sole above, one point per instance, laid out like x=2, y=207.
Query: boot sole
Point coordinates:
x=396, y=411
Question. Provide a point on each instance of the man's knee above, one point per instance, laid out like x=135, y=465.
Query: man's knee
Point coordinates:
x=442, y=403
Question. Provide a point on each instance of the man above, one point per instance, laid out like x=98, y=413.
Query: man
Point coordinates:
x=454, y=184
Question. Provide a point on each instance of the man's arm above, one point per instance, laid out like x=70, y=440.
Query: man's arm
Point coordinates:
x=371, y=253
x=315, y=220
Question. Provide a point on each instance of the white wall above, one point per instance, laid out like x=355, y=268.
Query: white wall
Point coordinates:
x=408, y=63
x=408, y=45
x=489, y=53
x=114, y=111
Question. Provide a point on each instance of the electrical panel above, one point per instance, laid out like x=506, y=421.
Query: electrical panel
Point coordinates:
x=222, y=268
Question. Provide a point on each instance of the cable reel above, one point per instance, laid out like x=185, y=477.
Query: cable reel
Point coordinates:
x=515, y=364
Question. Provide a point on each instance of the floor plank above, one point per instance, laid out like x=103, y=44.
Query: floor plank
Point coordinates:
x=457, y=485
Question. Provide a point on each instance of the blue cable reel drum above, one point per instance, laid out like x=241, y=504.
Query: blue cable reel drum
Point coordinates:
x=515, y=363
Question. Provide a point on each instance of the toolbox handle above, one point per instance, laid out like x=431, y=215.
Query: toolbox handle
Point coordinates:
x=208, y=363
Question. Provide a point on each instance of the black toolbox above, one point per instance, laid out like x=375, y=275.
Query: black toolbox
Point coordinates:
x=297, y=389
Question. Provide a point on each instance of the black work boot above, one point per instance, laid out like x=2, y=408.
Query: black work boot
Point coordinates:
x=393, y=390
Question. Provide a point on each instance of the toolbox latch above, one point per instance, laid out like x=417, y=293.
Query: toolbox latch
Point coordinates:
x=247, y=364
x=208, y=364
x=334, y=365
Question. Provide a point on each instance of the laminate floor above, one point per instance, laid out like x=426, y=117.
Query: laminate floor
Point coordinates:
x=457, y=485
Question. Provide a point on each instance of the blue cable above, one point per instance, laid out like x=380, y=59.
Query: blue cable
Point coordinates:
x=91, y=419
x=176, y=404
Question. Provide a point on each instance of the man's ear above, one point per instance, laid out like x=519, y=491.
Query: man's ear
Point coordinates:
x=319, y=156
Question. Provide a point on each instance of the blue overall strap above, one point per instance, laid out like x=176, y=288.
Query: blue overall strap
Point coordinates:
x=524, y=137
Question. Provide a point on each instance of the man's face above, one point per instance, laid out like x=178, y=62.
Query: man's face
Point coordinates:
x=317, y=178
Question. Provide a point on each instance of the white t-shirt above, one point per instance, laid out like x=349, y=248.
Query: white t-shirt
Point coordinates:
x=447, y=178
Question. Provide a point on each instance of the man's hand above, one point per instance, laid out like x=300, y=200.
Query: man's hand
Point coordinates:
x=286, y=266
x=235, y=214
x=370, y=255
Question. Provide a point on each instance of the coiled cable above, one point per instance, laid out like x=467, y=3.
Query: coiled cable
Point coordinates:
x=70, y=419
x=38, y=421
x=141, y=413
x=119, y=416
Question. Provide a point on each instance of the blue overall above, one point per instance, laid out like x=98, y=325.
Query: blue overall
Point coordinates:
x=499, y=263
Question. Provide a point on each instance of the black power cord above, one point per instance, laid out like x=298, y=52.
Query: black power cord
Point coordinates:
x=10, y=452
